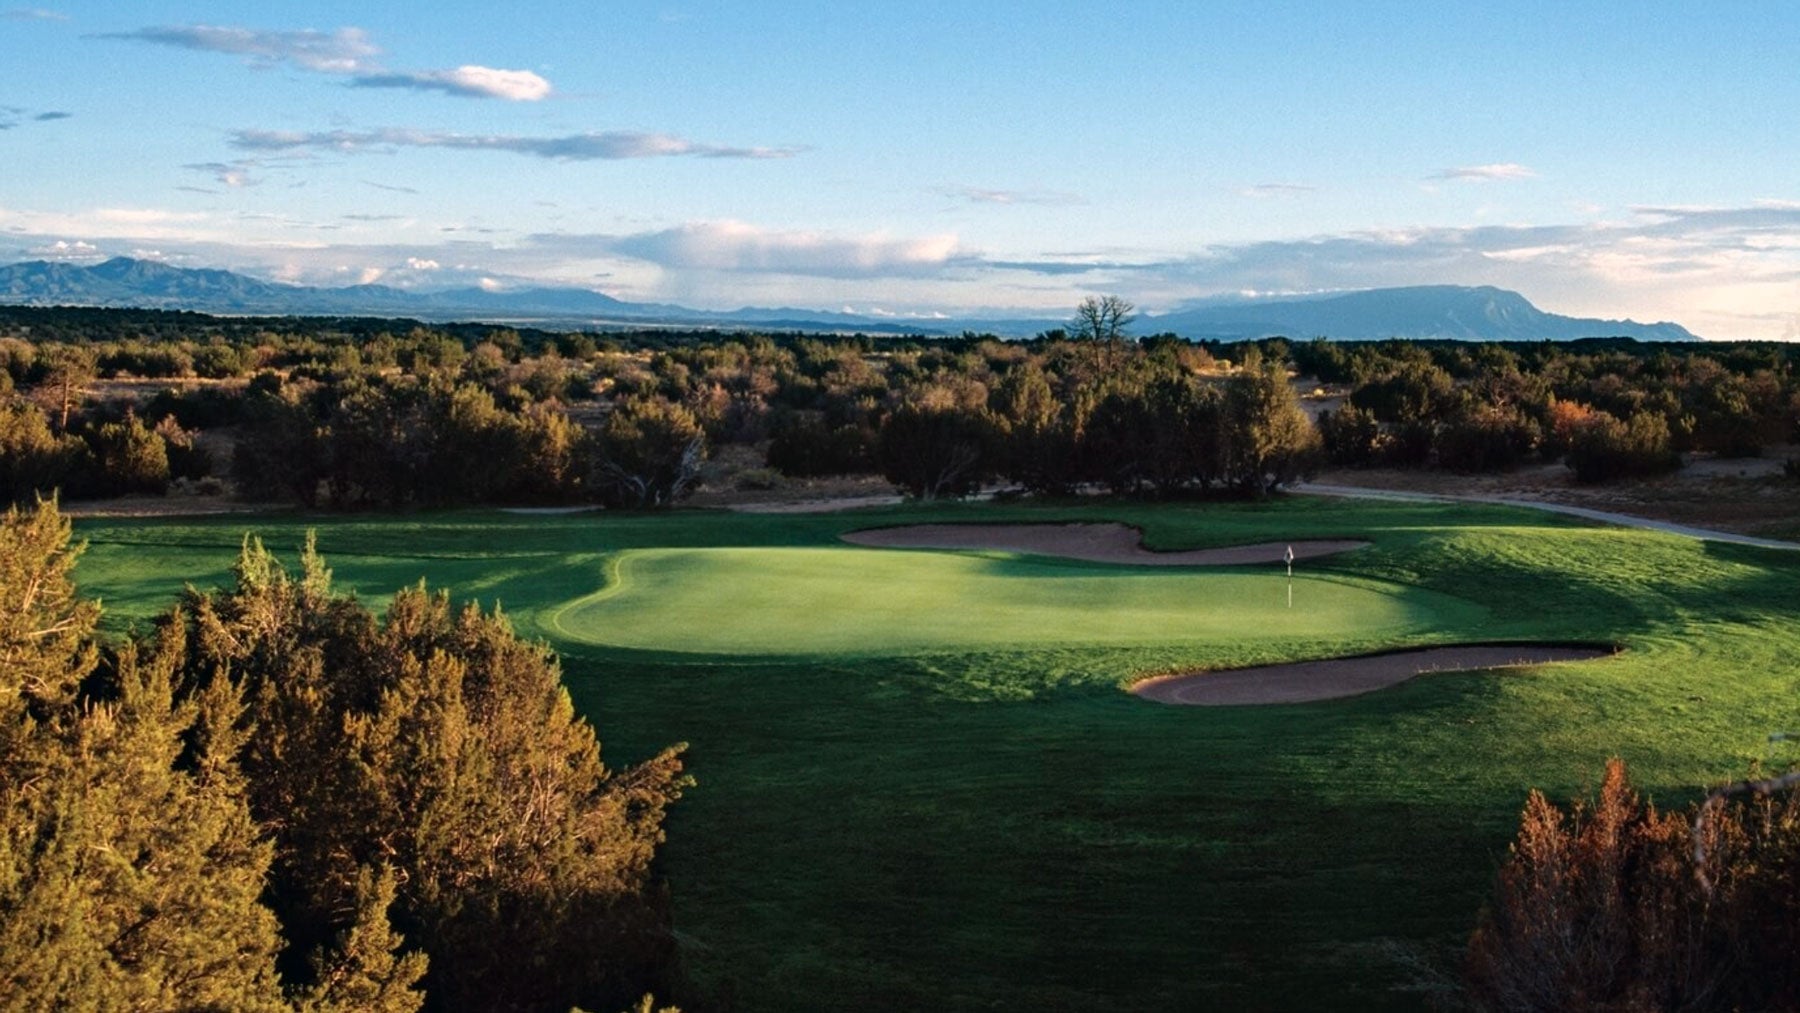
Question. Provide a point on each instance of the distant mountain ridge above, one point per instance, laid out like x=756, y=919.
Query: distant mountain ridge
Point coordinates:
x=1427, y=311
x=1481, y=313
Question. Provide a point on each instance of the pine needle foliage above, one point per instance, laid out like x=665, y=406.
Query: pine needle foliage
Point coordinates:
x=280, y=801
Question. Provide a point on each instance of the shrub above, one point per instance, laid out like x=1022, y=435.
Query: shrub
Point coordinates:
x=1351, y=435
x=1487, y=438
x=1616, y=906
x=1604, y=449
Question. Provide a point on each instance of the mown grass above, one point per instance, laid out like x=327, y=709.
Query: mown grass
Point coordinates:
x=888, y=821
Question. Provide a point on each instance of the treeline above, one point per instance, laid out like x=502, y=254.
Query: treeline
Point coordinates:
x=1610, y=409
x=362, y=413
x=277, y=800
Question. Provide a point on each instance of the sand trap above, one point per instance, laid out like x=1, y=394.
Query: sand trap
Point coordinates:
x=1338, y=677
x=1096, y=543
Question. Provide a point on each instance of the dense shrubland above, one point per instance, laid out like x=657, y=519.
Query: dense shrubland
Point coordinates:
x=1614, y=905
x=276, y=799
x=358, y=413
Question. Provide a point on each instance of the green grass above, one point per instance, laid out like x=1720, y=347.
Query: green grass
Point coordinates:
x=876, y=603
x=950, y=804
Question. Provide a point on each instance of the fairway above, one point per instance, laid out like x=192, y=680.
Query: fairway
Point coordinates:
x=810, y=601
x=921, y=783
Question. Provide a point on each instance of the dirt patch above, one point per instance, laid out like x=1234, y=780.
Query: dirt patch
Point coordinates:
x=1096, y=543
x=1331, y=678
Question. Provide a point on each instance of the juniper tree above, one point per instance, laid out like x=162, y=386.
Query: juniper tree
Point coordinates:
x=437, y=742
x=130, y=868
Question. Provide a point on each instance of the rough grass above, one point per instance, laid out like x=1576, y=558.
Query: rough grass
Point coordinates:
x=893, y=823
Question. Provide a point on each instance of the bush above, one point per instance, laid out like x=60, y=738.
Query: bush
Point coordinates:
x=1604, y=449
x=806, y=446
x=1616, y=906
x=1351, y=436
x=1486, y=439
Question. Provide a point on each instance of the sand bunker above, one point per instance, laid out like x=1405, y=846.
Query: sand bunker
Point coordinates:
x=1095, y=543
x=1338, y=677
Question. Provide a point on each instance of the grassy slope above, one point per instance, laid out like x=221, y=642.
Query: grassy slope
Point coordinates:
x=1001, y=827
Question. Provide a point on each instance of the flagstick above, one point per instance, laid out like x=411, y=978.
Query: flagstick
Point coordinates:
x=1290, y=575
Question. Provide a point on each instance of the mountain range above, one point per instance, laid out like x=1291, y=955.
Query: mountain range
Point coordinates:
x=1429, y=311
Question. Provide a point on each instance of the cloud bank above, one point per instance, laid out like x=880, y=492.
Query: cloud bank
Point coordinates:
x=739, y=247
x=1721, y=271
x=601, y=146
x=986, y=195
x=345, y=52
x=1497, y=171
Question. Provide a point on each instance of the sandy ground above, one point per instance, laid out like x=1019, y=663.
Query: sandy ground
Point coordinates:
x=1097, y=543
x=1332, y=678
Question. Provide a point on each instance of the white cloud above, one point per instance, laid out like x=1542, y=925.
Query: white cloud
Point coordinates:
x=468, y=81
x=64, y=250
x=740, y=247
x=607, y=146
x=32, y=14
x=236, y=174
x=344, y=51
x=987, y=195
x=1277, y=190
x=1723, y=272
x=1486, y=173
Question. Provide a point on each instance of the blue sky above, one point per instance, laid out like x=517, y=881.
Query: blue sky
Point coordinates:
x=915, y=158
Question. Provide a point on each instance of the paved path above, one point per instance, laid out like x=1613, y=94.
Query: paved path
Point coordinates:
x=1624, y=520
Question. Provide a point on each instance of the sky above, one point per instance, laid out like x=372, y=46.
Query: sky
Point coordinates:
x=919, y=158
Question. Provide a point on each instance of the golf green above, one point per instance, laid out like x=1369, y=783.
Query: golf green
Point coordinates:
x=837, y=601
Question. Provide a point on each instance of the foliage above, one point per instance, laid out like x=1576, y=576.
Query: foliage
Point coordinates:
x=1349, y=435
x=934, y=451
x=1270, y=442
x=275, y=801
x=649, y=453
x=439, y=744
x=1603, y=448
x=1486, y=438
x=130, y=873
x=1604, y=908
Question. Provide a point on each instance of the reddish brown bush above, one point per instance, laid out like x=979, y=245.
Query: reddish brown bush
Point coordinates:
x=1605, y=907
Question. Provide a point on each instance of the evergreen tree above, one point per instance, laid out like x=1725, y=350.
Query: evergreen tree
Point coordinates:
x=130, y=869
x=438, y=743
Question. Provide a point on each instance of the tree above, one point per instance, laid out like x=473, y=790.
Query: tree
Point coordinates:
x=1269, y=440
x=934, y=451
x=649, y=452
x=130, y=868
x=1103, y=318
x=33, y=460
x=129, y=457
x=435, y=742
x=69, y=371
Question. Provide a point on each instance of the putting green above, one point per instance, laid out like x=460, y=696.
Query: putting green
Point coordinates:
x=814, y=601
